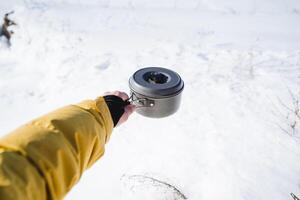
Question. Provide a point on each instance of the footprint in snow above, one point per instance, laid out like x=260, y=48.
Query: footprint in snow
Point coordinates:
x=224, y=45
x=149, y=188
x=103, y=65
x=203, y=56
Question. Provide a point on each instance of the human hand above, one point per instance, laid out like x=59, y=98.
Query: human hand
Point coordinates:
x=128, y=109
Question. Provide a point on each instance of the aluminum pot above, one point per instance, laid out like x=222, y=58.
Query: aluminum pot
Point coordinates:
x=156, y=91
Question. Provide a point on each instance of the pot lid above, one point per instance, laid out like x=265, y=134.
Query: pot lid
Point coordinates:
x=156, y=82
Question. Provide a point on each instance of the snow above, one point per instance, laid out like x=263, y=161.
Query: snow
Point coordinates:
x=232, y=137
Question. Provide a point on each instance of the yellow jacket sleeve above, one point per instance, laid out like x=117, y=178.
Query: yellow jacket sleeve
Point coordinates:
x=46, y=157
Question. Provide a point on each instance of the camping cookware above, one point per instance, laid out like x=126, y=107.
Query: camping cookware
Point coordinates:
x=156, y=91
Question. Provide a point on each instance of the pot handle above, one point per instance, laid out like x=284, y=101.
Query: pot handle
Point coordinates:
x=140, y=102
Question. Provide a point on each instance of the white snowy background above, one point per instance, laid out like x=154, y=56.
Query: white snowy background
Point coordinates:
x=237, y=133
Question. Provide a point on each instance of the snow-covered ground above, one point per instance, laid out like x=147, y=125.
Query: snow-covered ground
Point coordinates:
x=237, y=133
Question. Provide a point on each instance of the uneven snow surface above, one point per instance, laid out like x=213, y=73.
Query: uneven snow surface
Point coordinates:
x=237, y=133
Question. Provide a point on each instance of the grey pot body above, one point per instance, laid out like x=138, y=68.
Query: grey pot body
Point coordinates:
x=156, y=91
x=156, y=108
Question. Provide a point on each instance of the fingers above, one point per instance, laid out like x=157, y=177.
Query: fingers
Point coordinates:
x=120, y=94
x=130, y=109
x=123, y=95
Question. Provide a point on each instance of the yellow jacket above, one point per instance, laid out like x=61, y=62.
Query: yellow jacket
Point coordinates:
x=45, y=158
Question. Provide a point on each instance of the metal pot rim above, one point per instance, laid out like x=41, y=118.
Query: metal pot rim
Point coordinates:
x=142, y=86
x=158, y=97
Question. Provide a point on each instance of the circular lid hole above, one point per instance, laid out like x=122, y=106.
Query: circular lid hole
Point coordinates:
x=156, y=77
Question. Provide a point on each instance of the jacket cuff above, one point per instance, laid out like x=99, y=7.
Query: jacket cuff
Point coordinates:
x=99, y=107
x=105, y=113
